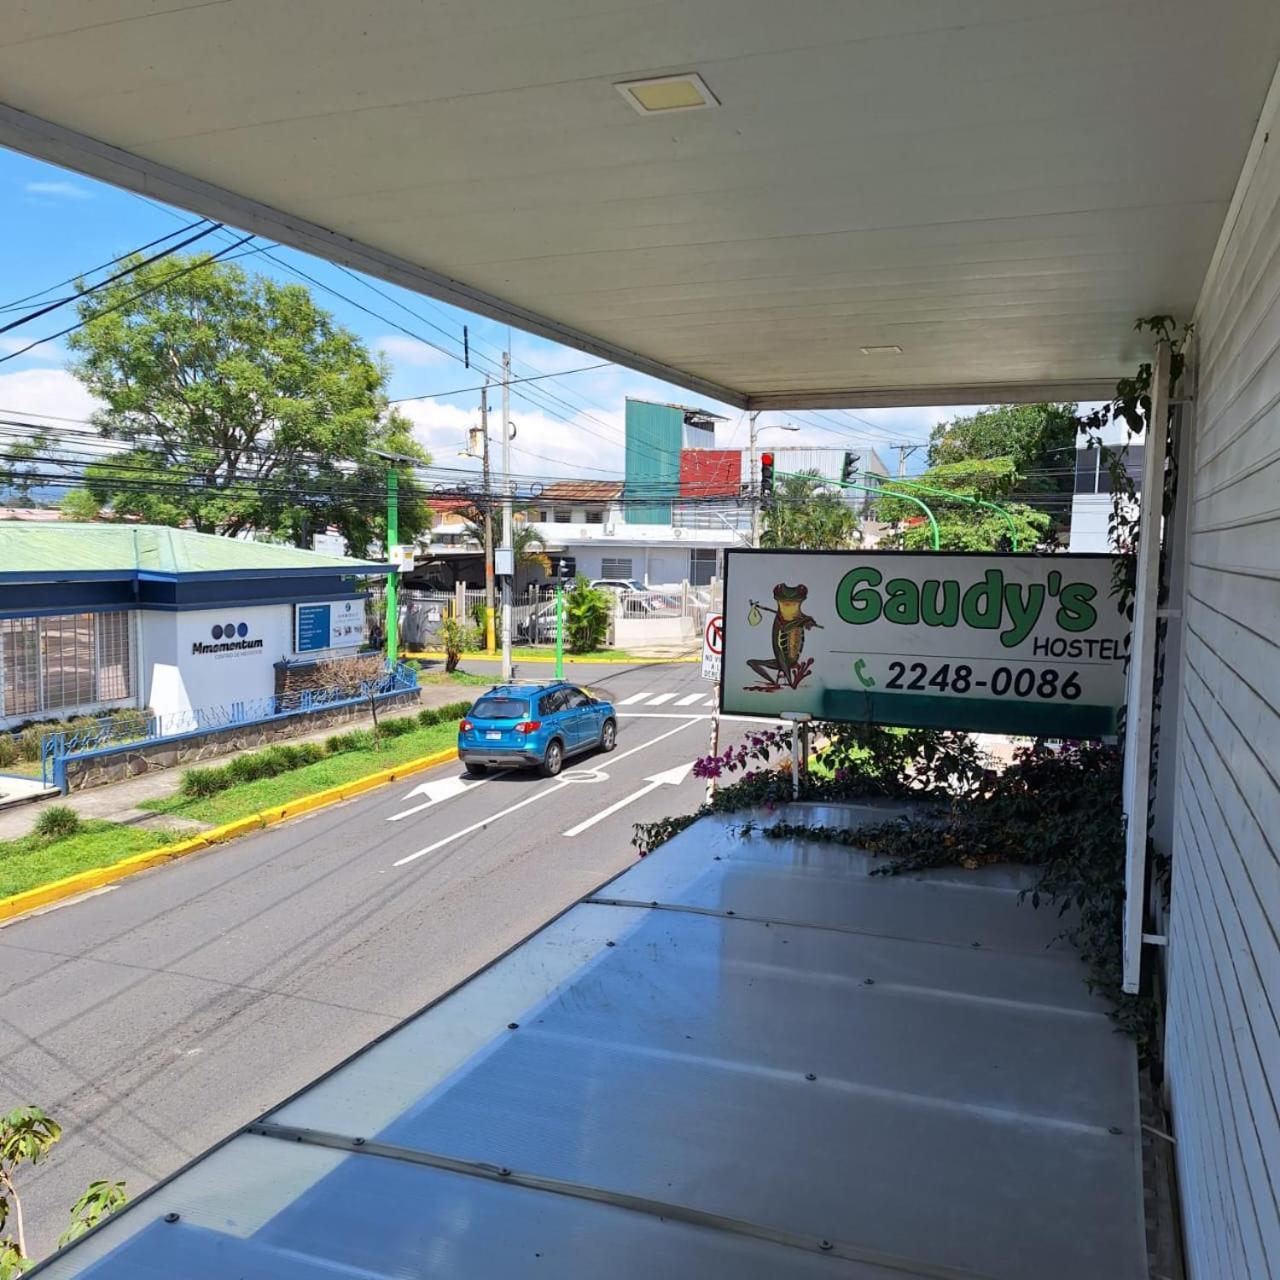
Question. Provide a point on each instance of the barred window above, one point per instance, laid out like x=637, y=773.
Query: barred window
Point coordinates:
x=48, y=665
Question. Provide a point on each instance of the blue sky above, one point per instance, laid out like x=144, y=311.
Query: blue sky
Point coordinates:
x=58, y=223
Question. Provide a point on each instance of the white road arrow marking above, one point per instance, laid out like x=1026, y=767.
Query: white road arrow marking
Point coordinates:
x=667, y=778
x=436, y=791
x=544, y=791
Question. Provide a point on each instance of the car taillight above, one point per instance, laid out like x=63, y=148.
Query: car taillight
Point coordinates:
x=465, y=726
x=528, y=726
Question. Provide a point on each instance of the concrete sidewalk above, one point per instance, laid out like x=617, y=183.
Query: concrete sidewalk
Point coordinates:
x=120, y=801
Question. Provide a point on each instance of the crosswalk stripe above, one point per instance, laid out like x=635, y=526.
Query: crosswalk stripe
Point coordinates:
x=710, y=702
x=689, y=699
x=659, y=699
x=635, y=697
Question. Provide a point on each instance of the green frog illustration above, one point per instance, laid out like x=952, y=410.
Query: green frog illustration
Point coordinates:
x=790, y=622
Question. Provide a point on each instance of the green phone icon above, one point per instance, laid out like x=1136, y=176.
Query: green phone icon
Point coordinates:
x=860, y=670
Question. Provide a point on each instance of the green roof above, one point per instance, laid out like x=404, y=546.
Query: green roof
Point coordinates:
x=50, y=549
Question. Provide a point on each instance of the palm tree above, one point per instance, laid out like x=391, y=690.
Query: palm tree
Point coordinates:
x=531, y=551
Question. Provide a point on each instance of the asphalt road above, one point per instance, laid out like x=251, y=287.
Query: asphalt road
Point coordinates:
x=158, y=1015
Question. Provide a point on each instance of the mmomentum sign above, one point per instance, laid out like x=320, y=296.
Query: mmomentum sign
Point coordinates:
x=1021, y=644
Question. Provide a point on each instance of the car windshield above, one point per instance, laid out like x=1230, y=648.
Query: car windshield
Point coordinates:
x=500, y=709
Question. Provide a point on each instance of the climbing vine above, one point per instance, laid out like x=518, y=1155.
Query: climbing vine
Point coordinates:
x=1059, y=811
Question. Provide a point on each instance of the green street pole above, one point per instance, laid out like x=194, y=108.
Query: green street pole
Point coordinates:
x=849, y=484
x=393, y=581
x=559, y=630
x=964, y=497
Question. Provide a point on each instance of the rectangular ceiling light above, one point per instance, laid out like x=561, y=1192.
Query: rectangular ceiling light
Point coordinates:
x=686, y=92
x=891, y=350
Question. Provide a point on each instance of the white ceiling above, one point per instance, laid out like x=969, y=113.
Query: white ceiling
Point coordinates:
x=997, y=186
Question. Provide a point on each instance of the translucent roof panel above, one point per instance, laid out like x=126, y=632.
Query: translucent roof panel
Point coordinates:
x=743, y=1057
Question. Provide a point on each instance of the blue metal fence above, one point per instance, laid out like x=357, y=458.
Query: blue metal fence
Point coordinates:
x=117, y=732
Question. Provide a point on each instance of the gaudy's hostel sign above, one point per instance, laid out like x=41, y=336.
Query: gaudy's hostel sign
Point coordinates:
x=1020, y=644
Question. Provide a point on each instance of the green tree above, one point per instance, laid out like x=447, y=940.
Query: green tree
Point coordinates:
x=241, y=405
x=530, y=549
x=1039, y=439
x=808, y=513
x=27, y=1136
x=22, y=463
x=962, y=526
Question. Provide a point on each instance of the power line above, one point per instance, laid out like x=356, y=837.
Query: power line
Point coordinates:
x=62, y=333
x=457, y=391
x=102, y=284
x=18, y=302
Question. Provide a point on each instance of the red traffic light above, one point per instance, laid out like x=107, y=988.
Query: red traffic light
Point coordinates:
x=766, y=459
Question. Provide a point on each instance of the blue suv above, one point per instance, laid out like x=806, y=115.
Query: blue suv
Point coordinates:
x=522, y=726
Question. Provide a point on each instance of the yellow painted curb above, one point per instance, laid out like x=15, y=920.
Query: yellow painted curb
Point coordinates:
x=84, y=881
x=568, y=657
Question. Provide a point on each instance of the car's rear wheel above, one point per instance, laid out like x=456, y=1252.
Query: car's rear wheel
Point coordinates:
x=553, y=761
x=476, y=770
x=608, y=736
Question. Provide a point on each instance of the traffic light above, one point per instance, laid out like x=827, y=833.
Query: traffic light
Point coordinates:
x=568, y=567
x=849, y=468
x=766, y=477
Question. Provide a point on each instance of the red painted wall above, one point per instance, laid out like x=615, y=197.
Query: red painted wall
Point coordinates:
x=710, y=473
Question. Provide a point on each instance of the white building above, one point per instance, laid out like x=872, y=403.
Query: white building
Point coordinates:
x=586, y=521
x=1091, y=502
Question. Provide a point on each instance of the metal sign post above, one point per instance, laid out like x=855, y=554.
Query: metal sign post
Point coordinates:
x=712, y=649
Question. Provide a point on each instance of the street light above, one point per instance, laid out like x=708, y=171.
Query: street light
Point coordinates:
x=755, y=483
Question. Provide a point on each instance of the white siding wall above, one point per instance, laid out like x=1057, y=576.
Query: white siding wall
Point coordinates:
x=1223, y=1045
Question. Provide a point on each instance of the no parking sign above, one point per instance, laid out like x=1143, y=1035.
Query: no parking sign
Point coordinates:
x=712, y=646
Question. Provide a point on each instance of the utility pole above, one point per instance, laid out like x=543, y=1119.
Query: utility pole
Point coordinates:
x=488, y=522
x=904, y=452
x=508, y=519
x=393, y=579
x=755, y=483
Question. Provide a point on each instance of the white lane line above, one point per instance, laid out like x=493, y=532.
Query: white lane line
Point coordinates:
x=659, y=698
x=689, y=699
x=635, y=697
x=667, y=778
x=685, y=722
x=700, y=715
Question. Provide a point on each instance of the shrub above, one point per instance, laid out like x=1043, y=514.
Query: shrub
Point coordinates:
x=428, y=716
x=132, y=722
x=456, y=638
x=199, y=783
x=58, y=821
x=9, y=752
x=452, y=711
x=399, y=726
x=352, y=740
x=246, y=768
x=29, y=741
x=586, y=616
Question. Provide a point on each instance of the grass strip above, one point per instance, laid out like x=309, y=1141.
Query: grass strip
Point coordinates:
x=346, y=766
x=33, y=860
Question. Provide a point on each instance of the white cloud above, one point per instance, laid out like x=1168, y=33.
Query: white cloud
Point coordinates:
x=49, y=394
x=46, y=351
x=58, y=190
x=543, y=446
x=402, y=350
